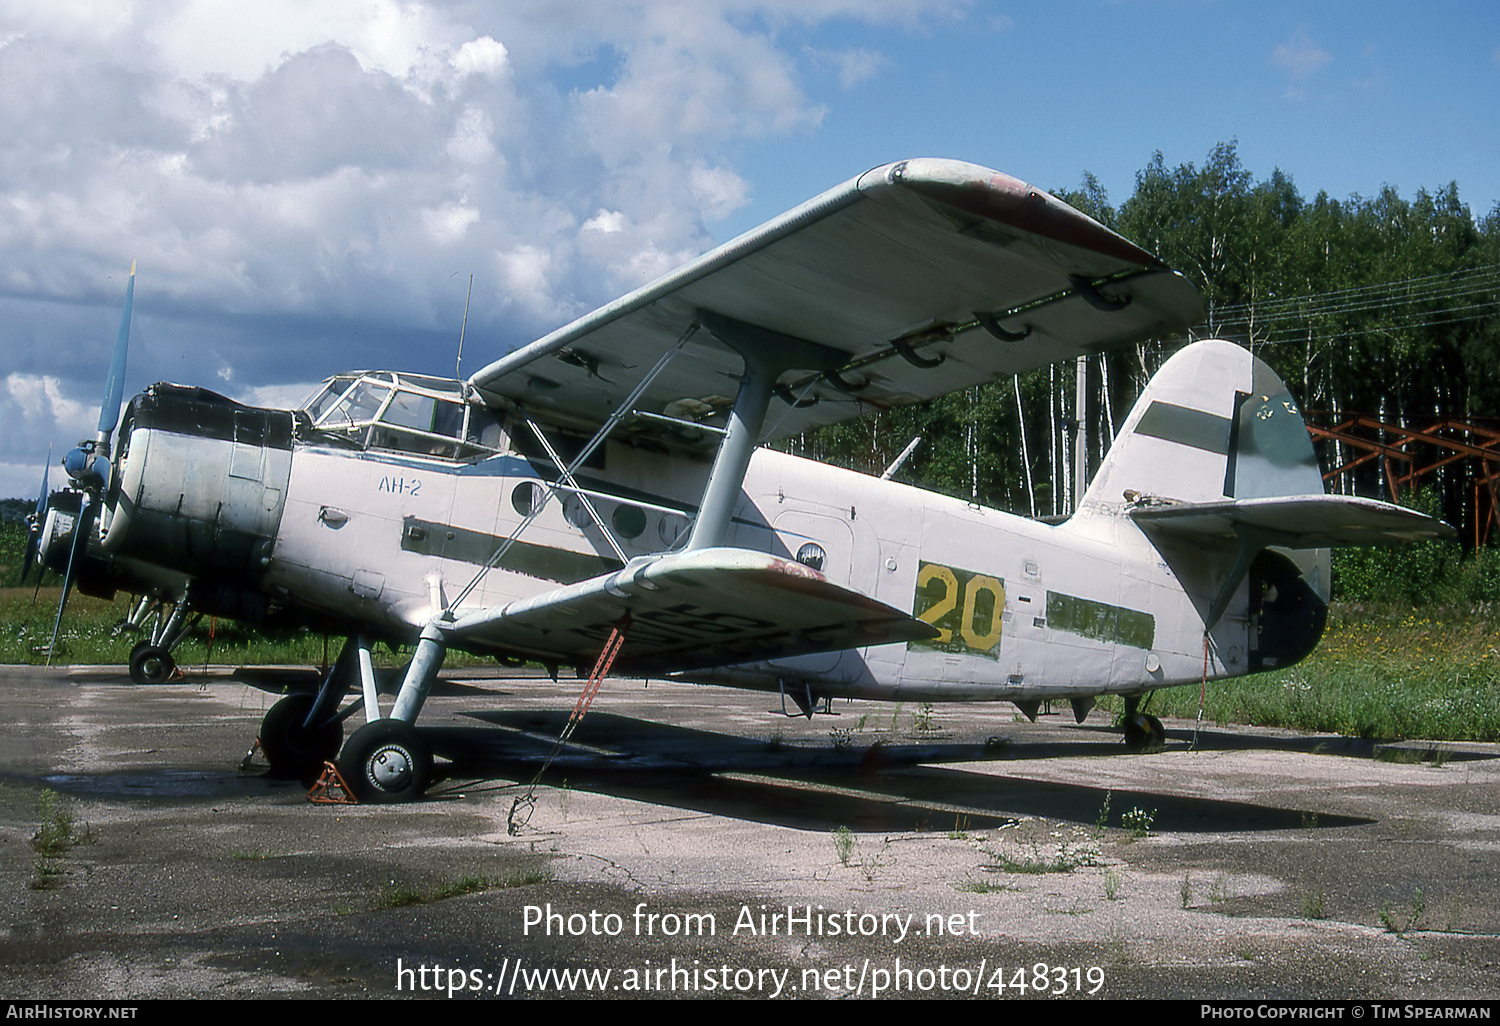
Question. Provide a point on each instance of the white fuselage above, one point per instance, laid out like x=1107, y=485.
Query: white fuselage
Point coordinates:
x=1029, y=611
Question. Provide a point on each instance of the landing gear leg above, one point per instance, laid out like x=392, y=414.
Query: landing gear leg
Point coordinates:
x=151, y=661
x=386, y=760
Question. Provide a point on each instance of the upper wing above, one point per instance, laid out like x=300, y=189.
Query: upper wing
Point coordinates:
x=1296, y=522
x=930, y=275
x=709, y=607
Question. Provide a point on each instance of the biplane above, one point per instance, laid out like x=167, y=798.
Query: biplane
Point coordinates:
x=603, y=496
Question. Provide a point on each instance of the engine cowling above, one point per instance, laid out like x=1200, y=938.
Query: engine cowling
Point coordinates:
x=200, y=484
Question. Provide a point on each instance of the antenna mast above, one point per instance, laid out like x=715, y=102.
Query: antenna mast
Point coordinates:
x=458, y=364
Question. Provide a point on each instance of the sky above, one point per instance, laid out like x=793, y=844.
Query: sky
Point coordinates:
x=307, y=185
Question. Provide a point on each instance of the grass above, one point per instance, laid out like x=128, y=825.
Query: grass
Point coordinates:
x=53, y=839
x=843, y=844
x=54, y=836
x=407, y=895
x=258, y=855
x=1380, y=672
x=1064, y=858
x=974, y=886
x=88, y=636
x=1403, y=922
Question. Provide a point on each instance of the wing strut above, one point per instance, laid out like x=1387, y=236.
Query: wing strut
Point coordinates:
x=567, y=471
x=766, y=354
x=1251, y=541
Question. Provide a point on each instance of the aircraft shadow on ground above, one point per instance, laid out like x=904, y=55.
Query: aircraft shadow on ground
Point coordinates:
x=899, y=786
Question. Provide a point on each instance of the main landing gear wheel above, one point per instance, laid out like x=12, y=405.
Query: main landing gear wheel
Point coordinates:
x=292, y=749
x=1145, y=732
x=386, y=761
x=151, y=664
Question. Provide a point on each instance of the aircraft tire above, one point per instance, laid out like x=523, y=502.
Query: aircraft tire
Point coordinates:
x=386, y=761
x=291, y=750
x=151, y=664
x=1145, y=732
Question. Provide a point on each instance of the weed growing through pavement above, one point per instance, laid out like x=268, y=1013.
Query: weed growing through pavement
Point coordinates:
x=54, y=836
x=1392, y=920
x=47, y=874
x=973, y=886
x=1138, y=821
x=1030, y=858
x=53, y=839
x=1186, y=891
x=1312, y=905
x=405, y=895
x=1112, y=881
x=843, y=844
x=871, y=865
x=1101, y=822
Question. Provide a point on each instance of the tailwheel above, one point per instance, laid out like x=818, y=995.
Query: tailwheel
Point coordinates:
x=1145, y=732
x=292, y=749
x=151, y=664
x=386, y=761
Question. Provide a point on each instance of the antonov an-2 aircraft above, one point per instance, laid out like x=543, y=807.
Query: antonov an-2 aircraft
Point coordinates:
x=597, y=498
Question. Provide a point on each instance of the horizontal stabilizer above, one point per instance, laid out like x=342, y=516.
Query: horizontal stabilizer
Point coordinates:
x=709, y=607
x=1295, y=521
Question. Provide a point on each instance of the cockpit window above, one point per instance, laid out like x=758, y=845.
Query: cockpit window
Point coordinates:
x=331, y=392
x=408, y=409
x=358, y=406
x=408, y=413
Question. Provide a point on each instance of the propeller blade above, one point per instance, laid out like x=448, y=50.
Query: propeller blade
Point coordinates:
x=34, y=523
x=114, y=385
x=88, y=464
x=81, y=531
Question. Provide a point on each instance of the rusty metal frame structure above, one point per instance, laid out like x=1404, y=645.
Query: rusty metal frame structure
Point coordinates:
x=1406, y=455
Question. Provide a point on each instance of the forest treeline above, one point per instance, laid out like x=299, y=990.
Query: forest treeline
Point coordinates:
x=1380, y=305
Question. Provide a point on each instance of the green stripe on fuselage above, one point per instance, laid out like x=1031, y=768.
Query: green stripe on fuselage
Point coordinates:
x=1100, y=621
x=549, y=564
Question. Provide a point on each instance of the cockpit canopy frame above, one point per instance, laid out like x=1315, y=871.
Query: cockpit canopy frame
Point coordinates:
x=411, y=413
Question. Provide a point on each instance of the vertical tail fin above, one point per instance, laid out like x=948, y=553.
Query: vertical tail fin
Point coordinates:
x=1214, y=423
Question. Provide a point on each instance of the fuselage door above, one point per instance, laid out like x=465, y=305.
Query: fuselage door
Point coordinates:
x=825, y=544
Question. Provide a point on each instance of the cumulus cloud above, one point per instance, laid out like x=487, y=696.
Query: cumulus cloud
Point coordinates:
x=308, y=183
x=1300, y=58
x=852, y=67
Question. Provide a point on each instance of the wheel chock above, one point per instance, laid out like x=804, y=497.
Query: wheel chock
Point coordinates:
x=330, y=788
